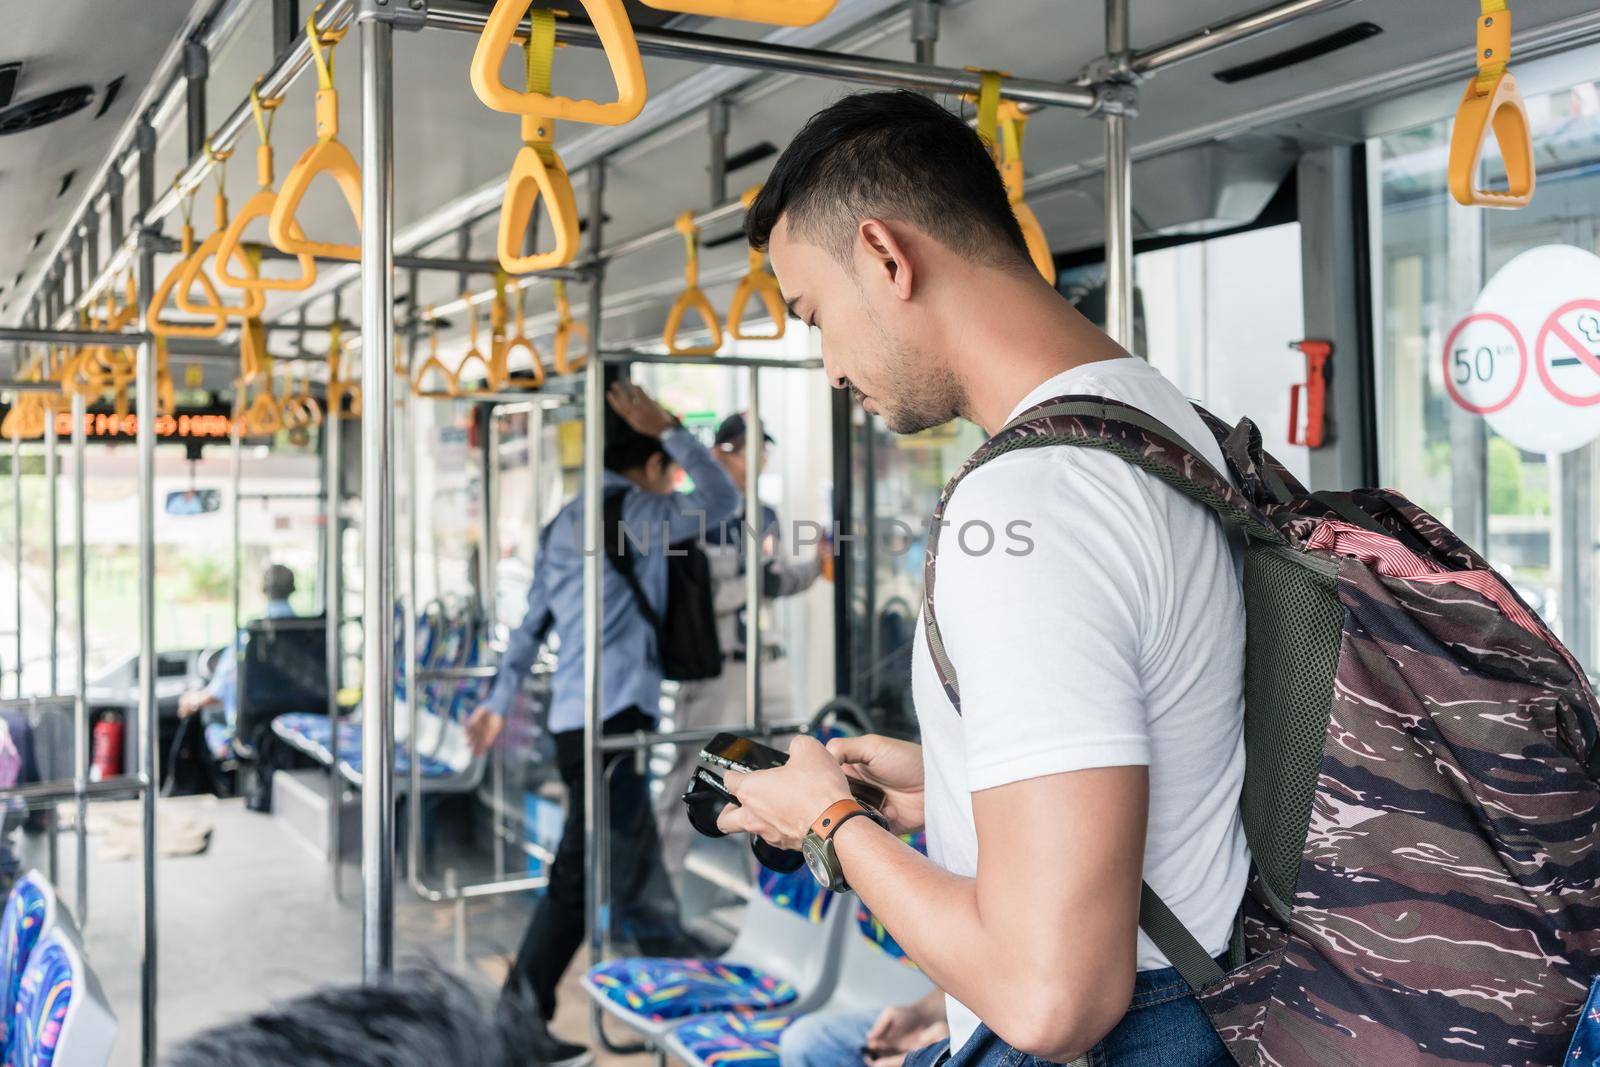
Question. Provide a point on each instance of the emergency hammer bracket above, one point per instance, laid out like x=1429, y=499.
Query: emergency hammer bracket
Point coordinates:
x=1115, y=97
x=401, y=14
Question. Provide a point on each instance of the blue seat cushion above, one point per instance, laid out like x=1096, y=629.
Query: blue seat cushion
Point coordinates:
x=750, y=1041
x=661, y=989
x=19, y=933
x=431, y=768
x=42, y=1002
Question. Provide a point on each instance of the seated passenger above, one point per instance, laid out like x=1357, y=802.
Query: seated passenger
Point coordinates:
x=1092, y=615
x=277, y=585
x=641, y=458
x=864, y=1038
x=189, y=749
x=423, y=1019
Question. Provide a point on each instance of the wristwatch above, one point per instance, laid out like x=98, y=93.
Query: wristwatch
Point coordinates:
x=818, y=844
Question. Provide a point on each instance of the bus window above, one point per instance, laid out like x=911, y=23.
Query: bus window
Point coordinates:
x=1462, y=453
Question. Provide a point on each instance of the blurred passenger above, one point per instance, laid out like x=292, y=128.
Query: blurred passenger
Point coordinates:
x=720, y=700
x=422, y=1019
x=641, y=461
x=277, y=585
x=864, y=1038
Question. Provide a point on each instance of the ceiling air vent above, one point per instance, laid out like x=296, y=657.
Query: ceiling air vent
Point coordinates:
x=1304, y=53
x=42, y=110
x=109, y=97
x=8, y=81
x=754, y=154
x=66, y=183
x=38, y=239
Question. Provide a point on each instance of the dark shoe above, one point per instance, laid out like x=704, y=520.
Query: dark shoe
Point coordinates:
x=551, y=1051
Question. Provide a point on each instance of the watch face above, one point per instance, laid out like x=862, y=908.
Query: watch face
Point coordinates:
x=812, y=849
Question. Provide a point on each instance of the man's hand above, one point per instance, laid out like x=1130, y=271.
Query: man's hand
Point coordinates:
x=891, y=765
x=193, y=701
x=483, y=728
x=903, y=1028
x=780, y=805
x=638, y=409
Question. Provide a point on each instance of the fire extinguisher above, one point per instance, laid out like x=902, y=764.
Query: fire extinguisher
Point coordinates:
x=107, y=749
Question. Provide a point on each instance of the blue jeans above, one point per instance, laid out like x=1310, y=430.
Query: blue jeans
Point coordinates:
x=826, y=1039
x=1164, y=1027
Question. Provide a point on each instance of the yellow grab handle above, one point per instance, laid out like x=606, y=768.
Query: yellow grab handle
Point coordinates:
x=565, y=327
x=691, y=298
x=161, y=328
x=622, y=52
x=1492, y=103
x=335, y=159
x=433, y=365
x=771, y=12
x=339, y=389
x=260, y=206
x=534, y=178
x=500, y=361
x=255, y=302
x=760, y=281
x=473, y=354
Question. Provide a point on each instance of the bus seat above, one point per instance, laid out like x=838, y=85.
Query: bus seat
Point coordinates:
x=62, y=1015
x=29, y=912
x=873, y=974
x=785, y=956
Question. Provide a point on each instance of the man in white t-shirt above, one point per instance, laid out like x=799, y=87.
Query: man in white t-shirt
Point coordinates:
x=1093, y=614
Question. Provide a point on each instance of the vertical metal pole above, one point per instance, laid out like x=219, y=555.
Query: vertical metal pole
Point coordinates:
x=145, y=408
x=754, y=445
x=91, y=241
x=333, y=610
x=52, y=506
x=16, y=558
x=869, y=551
x=196, y=68
x=594, y=409
x=408, y=448
x=717, y=122
x=75, y=266
x=843, y=513
x=236, y=578
x=488, y=555
x=80, y=704
x=377, y=413
x=925, y=29
x=1119, y=197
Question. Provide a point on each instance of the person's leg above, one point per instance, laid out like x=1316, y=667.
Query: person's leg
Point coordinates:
x=826, y=1039
x=641, y=892
x=556, y=930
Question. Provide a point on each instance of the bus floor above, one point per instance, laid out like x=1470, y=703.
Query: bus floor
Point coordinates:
x=253, y=920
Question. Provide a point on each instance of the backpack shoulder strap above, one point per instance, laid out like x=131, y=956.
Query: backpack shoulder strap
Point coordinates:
x=615, y=546
x=1110, y=426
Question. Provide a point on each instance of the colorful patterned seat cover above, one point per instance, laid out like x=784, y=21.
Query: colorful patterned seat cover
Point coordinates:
x=731, y=1038
x=219, y=740
x=22, y=925
x=661, y=989
x=431, y=768
x=42, y=1002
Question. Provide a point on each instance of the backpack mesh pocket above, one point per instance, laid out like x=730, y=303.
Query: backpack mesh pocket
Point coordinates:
x=1293, y=631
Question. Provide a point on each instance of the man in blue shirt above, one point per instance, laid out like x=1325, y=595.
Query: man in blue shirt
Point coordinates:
x=277, y=585
x=641, y=461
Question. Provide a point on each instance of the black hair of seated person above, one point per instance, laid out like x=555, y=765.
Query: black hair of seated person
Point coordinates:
x=890, y=155
x=423, y=1018
x=626, y=448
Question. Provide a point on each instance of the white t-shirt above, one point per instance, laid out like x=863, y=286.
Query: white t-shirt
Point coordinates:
x=1116, y=640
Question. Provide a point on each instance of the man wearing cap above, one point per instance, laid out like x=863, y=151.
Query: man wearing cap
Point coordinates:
x=721, y=700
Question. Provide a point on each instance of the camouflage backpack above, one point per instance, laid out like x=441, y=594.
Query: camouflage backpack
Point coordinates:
x=1420, y=798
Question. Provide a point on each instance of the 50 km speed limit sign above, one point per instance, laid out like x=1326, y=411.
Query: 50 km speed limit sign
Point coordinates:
x=1527, y=358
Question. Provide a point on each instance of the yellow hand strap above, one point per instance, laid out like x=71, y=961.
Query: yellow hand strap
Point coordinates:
x=691, y=242
x=323, y=60
x=988, y=106
x=1494, y=41
x=265, y=111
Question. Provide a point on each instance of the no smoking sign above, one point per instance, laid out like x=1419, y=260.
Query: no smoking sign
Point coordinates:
x=1528, y=356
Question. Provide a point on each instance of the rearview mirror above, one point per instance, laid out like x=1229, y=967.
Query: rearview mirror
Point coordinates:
x=194, y=502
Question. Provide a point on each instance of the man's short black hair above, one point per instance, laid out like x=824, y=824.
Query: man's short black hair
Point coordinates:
x=626, y=448
x=422, y=1019
x=890, y=155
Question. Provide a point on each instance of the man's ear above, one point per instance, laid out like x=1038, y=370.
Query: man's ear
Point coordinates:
x=885, y=256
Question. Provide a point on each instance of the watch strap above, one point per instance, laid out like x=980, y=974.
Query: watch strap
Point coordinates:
x=830, y=820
